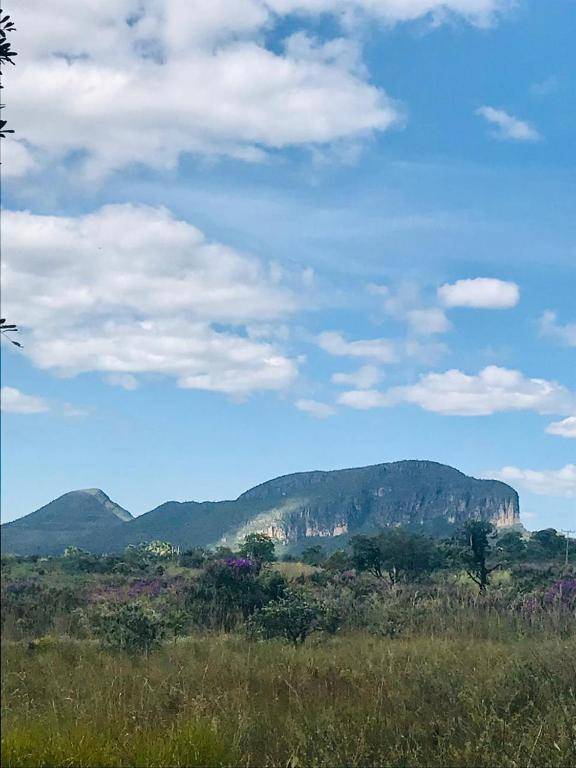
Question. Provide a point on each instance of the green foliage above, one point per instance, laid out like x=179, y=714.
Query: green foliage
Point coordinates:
x=160, y=549
x=511, y=546
x=472, y=547
x=314, y=555
x=396, y=552
x=338, y=561
x=77, y=560
x=366, y=555
x=129, y=627
x=546, y=545
x=259, y=547
x=193, y=558
x=292, y=618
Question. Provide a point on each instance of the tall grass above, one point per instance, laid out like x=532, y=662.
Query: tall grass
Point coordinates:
x=355, y=700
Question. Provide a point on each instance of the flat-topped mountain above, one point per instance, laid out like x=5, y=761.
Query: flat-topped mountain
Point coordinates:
x=293, y=509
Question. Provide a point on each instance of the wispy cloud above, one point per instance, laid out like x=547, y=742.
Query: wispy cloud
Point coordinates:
x=551, y=328
x=544, y=482
x=507, y=126
x=364, y=378
x=381, y=350
x=315, y=408
x=15, y=401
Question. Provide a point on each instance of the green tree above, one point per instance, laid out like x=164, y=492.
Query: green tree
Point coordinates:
x=313, y=555
x=404, y=554
x=473, y=547
x=396, y=552
x=338, y=561
x=366, y=555
x=546, y=544
x=258, y=547
x=512, y=546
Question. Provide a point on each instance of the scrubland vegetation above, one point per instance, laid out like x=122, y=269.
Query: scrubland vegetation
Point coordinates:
x=371, y=656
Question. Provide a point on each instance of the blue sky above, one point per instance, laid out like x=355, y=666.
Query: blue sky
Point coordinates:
x=277, y=238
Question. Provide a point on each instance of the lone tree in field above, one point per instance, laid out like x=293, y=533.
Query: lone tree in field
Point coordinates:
x=473, y=549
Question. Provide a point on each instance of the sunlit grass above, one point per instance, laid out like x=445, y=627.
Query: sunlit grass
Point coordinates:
x=354, y=700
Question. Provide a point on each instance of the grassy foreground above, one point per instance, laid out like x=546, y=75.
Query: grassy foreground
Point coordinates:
x=353, y=700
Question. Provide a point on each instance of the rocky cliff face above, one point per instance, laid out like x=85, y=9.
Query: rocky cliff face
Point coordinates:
x=426, y=496
x=420, y=494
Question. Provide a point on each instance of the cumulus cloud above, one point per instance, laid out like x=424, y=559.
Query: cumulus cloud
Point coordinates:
x=315, y=408
x=551, y=328
x=480, y=293
x=508, y=127
x=382, y=350
x=364, y=378
x=130, y=289
x=454, y=393
x=14, y=401
x=95, y=71
x=546, y=482
x=564, y=428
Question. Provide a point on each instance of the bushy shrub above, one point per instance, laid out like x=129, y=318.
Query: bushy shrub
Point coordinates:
x=193, y=558
x=129, y=627
x=292, y=618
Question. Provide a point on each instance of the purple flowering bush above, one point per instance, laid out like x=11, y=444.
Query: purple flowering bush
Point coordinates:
x=562, y=593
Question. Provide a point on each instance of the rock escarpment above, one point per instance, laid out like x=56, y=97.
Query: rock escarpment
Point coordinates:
x=294, y=509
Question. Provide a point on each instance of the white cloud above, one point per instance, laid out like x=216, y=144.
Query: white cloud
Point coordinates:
x=405, y=304
x=546, y=482
x=427, y=322
x=14, y=401
x=17, y=160
x=95, y=72
x=364, y=378
x=382, y=350
x=315, y=408
x=129, y=289
x=480, y=293
x=454, y=393
x=564, y=428
x=124, y=380
x=564, y=334
x=508, y=127
x=481, y=12
x=364, y=399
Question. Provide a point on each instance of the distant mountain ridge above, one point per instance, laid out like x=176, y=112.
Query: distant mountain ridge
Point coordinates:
x=67, y=521
x=293, y=509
